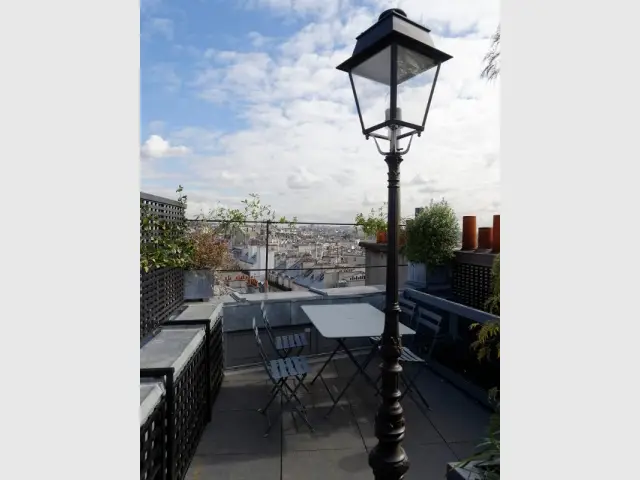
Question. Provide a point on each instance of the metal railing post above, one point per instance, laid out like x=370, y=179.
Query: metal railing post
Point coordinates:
x=266, y=265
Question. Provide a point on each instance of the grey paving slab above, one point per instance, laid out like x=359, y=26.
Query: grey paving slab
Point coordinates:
x=418, y=430
x=318, y=396
x=343, y=464
x=234, y=467
x=339, y=430
x=316, y=364
x=440, y=393
x=461, y=425
x=242, y=396
x=463, y=450
x=239, y=431
x=245, y=377
x=428, y=462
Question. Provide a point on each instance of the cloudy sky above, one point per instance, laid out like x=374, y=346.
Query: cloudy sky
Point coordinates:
x=242, y=96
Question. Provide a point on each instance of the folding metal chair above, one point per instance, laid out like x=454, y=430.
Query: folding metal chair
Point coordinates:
x=283, y=345
x=407, y=313
x=279, y=371
x=423, y=320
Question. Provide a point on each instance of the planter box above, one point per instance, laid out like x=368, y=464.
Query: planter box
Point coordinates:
x=421, y=279
x=198, y=284
x=468, y=472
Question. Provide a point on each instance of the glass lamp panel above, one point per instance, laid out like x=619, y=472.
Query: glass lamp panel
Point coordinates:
x=377, y=68
x=373, y=98
x=415, y=77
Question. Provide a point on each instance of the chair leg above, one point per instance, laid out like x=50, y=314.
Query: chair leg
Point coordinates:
x=292, y=391
x=302, y=413
x=360, y=370
x=288, y=401
x=335, y=350
x=274, y=394
x=303, y=385
x=377, y=382
x=410, y=385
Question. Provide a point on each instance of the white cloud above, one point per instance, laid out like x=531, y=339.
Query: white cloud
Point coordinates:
x=302, y=148
x=258, y=40
x=158, y=26
x=157, y=127
x=302, y=8
x=302, y=179
x=156, y=147
x=149, y=5
x=165, y=74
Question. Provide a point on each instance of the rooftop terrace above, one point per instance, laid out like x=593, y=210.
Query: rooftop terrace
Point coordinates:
x=233, y=447
x=202, y=383
x=229, y=443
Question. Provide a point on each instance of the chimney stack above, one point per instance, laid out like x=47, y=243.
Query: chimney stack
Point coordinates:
x=485, y=238
x=496, y=234
x=469, y=238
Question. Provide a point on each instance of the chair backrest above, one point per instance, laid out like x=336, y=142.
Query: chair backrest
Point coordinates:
x=267, y=325
x=408, y=308
x=263, y=356
x=430, y=321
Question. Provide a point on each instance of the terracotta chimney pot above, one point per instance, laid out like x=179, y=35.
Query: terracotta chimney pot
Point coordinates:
x=496, y=234
x=469, y=237
x=485, y=238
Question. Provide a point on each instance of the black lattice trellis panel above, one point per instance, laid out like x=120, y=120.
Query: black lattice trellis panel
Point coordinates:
x=471, y=284
x=161, y=293
x=152, y=444
x=165, y=209
x=187, y=404
x=161, y=290
x=217, y=358
x=190, y=411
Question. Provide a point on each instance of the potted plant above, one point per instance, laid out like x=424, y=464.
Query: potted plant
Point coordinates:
x=375, y=224
x=208, y=253
x=485, y=463
x=163, y=243
x=432, y=237
x=403, y=236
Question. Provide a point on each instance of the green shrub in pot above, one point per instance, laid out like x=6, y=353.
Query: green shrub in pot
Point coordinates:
x=433, y=235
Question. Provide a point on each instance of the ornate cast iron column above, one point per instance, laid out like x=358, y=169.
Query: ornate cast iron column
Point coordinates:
x=388, y=459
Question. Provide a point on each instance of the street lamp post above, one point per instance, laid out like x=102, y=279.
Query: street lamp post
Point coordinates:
x=395, y=57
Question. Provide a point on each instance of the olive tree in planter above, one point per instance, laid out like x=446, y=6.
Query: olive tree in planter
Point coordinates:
x=209, y=253
x=432, y=237
x=237, y=224
x=227, y=226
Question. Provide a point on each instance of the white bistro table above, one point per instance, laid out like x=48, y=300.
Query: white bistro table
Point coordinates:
x=352, y=320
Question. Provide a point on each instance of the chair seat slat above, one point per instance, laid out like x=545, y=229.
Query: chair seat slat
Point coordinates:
x=408, y=356
x=291, y=369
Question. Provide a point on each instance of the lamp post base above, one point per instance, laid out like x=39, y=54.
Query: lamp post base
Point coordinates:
x=390, y=461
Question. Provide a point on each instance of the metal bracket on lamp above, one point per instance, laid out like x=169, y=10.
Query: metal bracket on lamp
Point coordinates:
x=400, y=151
